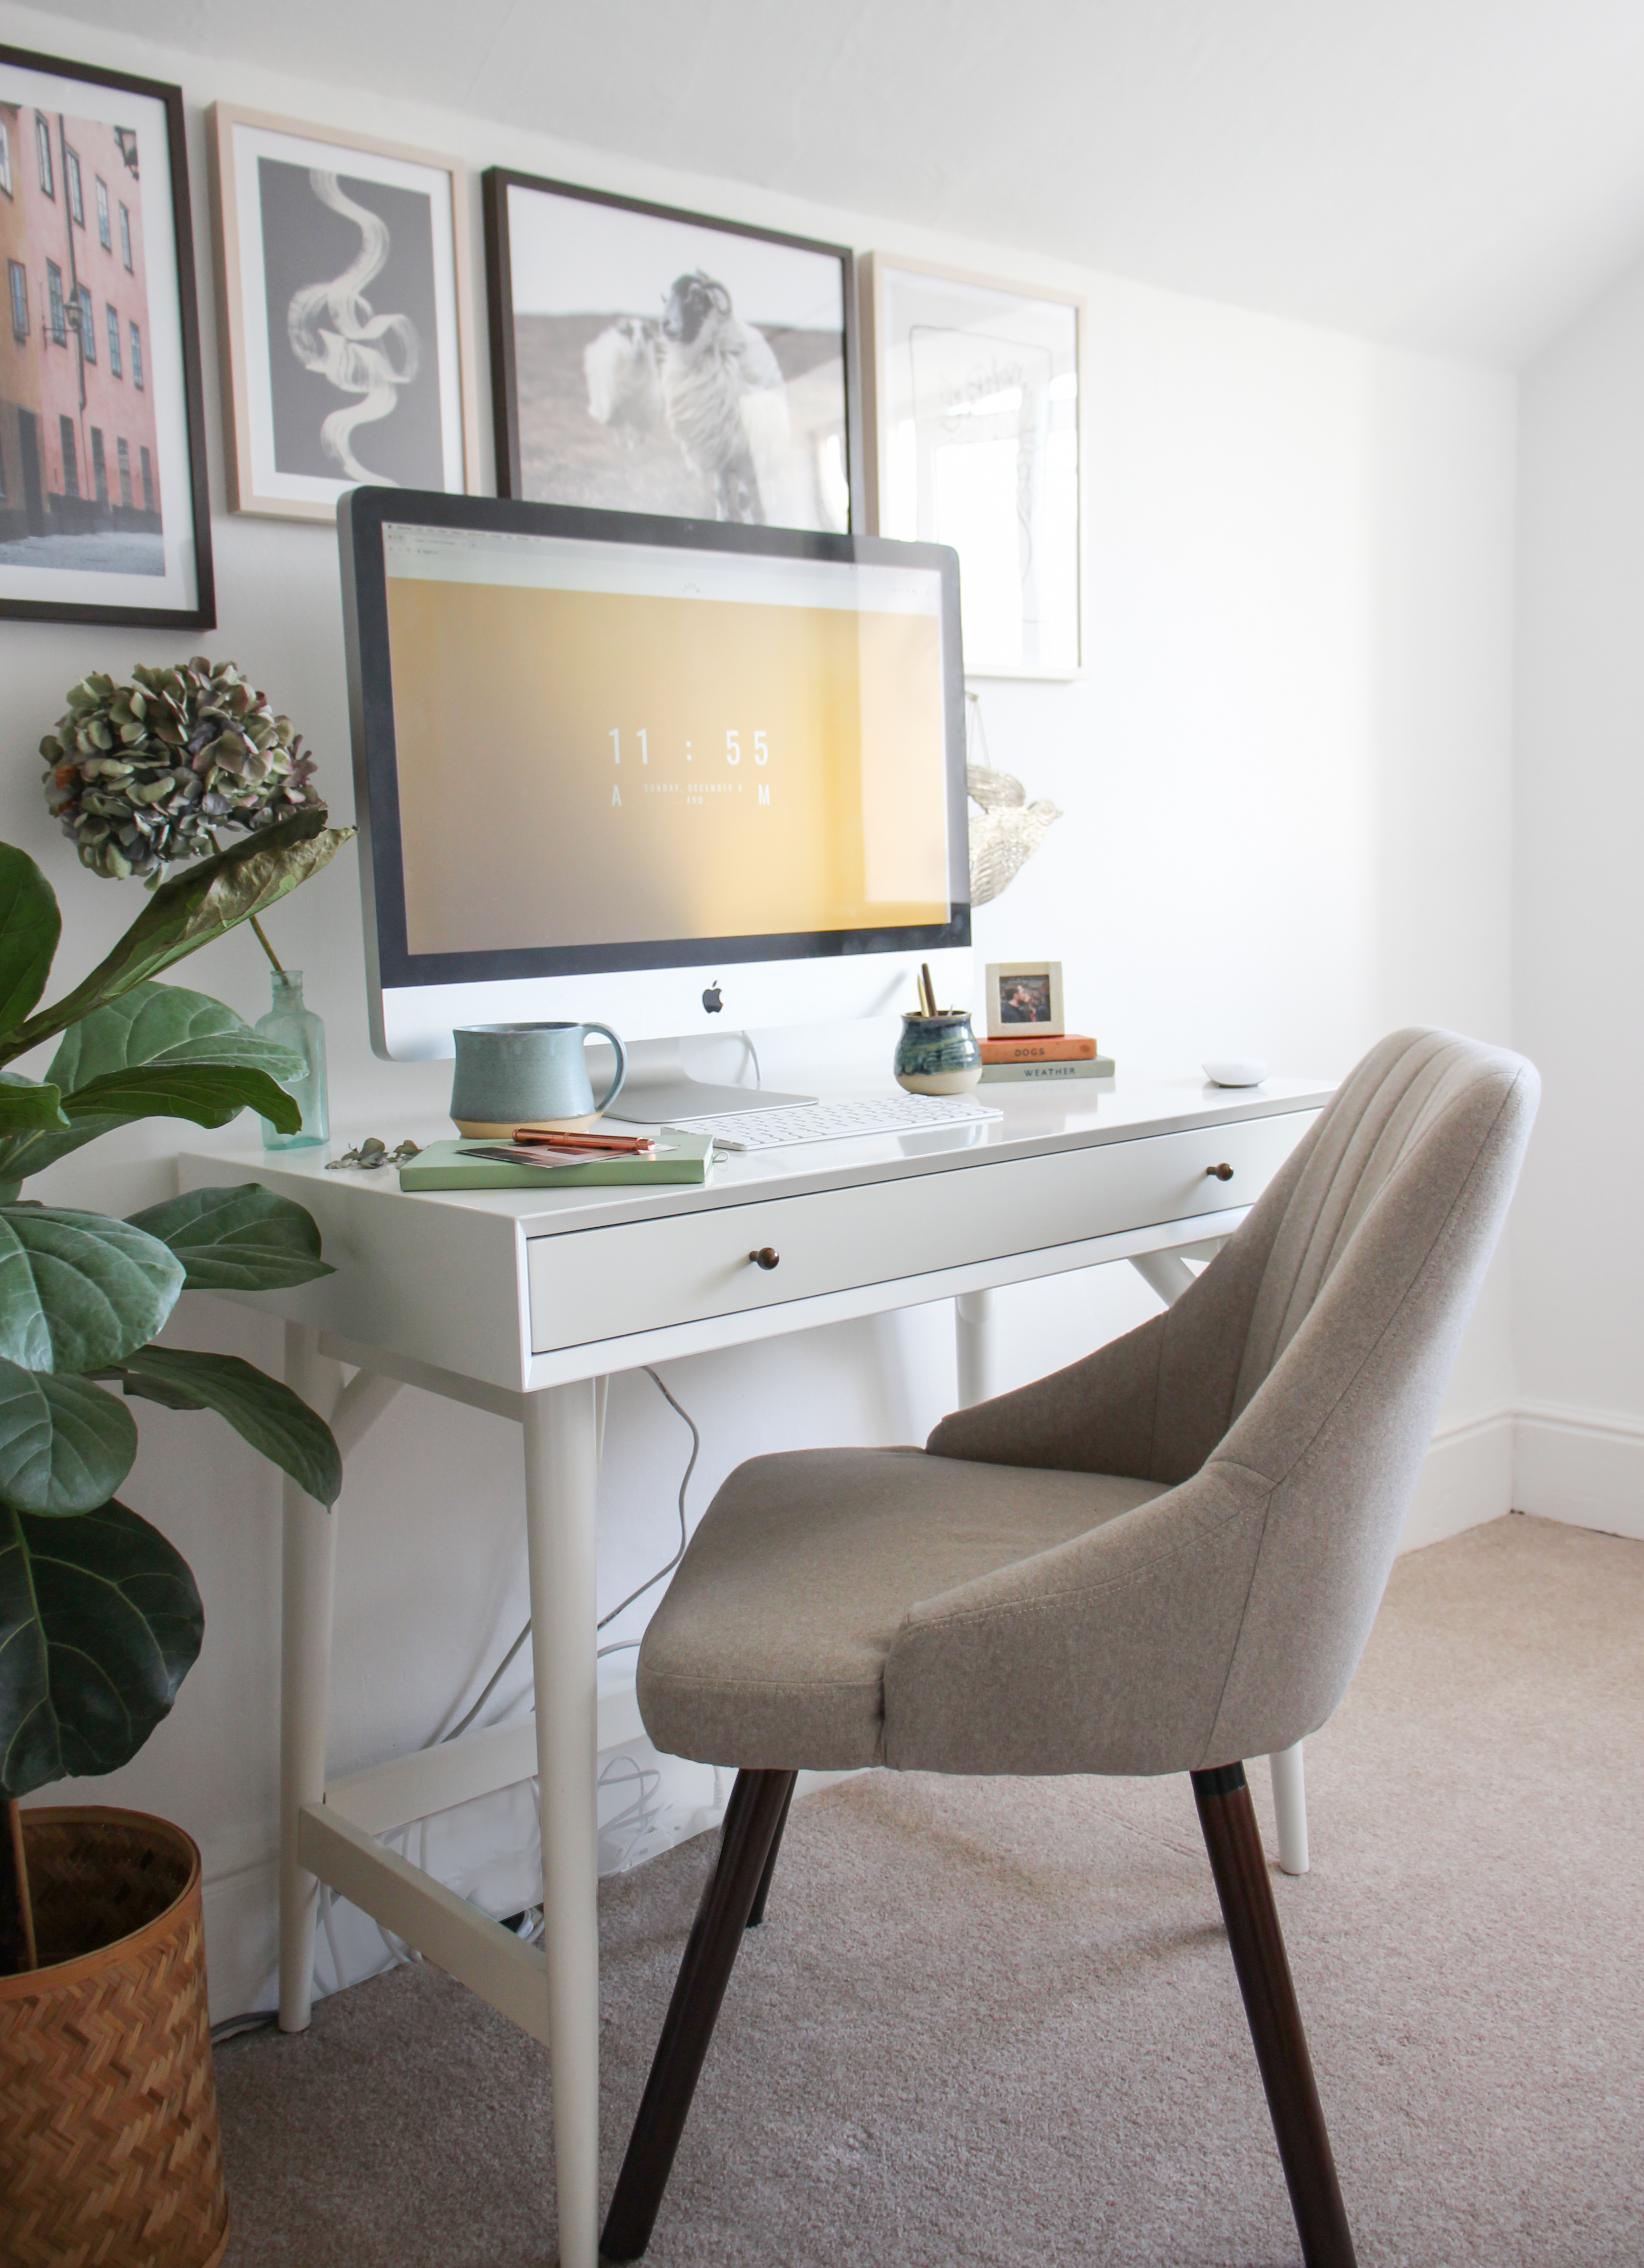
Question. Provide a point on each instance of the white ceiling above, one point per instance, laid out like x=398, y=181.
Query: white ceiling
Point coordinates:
x=1459, y=175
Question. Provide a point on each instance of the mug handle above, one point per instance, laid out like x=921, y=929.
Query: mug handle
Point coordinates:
x=615, y=1087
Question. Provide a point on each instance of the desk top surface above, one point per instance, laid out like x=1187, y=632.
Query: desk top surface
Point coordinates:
x=1035, y=1120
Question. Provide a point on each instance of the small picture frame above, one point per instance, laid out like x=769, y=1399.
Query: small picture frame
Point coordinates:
x=343, y=299
x=1024, y=999
x=103, y=513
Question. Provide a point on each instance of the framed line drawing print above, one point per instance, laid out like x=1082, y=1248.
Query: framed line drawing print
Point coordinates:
x=976, y=442
x=104, y=513
x=342, y=295
x=649, y=360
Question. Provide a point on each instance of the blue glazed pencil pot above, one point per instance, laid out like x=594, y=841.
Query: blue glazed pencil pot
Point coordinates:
x=937, y=1055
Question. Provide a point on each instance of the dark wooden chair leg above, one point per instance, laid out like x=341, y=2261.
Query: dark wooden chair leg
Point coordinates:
x=1240, y=1867
x=756, y=1911
x=753, y=1821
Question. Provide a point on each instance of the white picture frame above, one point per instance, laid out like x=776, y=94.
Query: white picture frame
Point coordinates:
x=1024, y=1000
x=976, y=438
x=345, y=300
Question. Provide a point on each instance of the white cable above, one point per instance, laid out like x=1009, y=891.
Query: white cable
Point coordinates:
x=747, y=1041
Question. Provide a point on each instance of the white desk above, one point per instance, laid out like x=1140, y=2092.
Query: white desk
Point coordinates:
x=524, y=1303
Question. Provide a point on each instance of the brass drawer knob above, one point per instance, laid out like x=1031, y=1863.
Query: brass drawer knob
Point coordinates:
x=767, y=1257
x=1221, y=1172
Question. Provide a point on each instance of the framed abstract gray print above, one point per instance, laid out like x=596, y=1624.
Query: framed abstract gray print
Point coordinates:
x=976, y=442
x=649, y=360
x=342, y=282
x=104, y=514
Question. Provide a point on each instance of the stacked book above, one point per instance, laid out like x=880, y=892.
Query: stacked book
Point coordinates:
x=1070, y=1055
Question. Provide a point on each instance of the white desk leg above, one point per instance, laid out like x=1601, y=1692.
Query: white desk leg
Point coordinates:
x=975, y=1329
x=307, y=1577
x=560, y=1478
x=1290, y=1804
x=1164, y=1272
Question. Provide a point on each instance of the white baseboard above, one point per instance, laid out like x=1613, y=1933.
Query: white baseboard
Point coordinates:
x=1466, y=1480
x=1585, y=1467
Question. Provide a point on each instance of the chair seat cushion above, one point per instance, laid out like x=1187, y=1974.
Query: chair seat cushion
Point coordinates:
x=769, y=1650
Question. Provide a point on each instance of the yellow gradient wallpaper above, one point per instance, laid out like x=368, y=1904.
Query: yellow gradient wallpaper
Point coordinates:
x=588, y=768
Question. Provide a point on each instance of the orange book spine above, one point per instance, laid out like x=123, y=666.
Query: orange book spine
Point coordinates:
x=1071, y=1047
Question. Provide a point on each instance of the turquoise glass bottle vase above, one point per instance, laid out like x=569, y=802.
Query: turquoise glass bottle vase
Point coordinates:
x=299, y=1028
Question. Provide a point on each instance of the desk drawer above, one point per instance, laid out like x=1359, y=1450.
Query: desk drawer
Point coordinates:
x=606, y=1283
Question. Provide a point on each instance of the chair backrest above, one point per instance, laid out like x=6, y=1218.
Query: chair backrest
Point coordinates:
x=1289, y=1397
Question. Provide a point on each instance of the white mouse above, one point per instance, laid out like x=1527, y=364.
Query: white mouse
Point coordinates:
x=1235, y=1070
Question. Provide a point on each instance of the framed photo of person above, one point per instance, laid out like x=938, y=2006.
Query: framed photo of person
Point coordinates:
x=104, y=513
x=649, y=360
x=343, y=298
x=976, y=441
x=1024, y=1000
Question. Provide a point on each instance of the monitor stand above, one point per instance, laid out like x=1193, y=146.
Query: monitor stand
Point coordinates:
x=658, y=1090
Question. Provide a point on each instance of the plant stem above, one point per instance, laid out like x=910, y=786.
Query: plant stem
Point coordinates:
x=262, y=934
x=262, y=940
x=17, y=1915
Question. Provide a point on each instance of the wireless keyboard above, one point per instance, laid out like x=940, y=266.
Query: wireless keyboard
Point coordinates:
x=832, y=1122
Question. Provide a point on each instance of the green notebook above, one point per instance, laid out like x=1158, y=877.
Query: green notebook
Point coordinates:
x=449, y=1166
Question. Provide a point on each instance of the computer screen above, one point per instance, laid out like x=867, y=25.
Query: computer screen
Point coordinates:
x=594, y=745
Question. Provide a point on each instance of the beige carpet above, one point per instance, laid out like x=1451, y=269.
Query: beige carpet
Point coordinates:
x=994, y=2021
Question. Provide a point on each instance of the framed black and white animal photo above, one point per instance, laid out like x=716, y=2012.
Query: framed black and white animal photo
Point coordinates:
x=343, y=294
x=649, y=360
x=103, y=513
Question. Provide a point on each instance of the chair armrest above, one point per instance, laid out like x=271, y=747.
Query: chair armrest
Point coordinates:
x=1097, y=1415
x=1107, y=1653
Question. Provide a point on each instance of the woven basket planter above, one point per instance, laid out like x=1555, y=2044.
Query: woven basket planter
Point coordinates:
x=109, y=2156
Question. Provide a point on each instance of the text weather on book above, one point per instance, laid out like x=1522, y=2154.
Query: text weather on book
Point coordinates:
x=592, y=749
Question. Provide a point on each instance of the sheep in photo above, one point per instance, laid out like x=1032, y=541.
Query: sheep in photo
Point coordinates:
x=624, y=391
x=724, y=398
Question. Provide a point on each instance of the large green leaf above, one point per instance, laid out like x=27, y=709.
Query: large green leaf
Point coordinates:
x=77, y=1290
x=261, y=1409
x=208, y=1093
x=30, y=925
x=65, y=1445
x=27, y=1107
x=202, y=902
x=163, y=1024
x=239, y=1239
x=164, y=1028
x=99, y=1624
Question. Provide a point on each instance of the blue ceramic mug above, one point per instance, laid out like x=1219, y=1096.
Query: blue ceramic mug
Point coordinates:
x=512, y=1075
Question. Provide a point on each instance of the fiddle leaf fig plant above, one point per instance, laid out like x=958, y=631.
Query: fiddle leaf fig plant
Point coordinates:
x=101, y=1618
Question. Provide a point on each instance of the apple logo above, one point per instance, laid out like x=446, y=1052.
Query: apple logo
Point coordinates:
x=712, y=1000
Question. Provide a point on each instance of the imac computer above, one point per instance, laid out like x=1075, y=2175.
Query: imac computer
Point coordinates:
x=668, y=775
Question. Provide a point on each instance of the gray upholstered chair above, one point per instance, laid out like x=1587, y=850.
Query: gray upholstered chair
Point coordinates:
x=1166, y=1558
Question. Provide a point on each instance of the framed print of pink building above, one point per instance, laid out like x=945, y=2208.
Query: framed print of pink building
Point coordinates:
x=79, y=458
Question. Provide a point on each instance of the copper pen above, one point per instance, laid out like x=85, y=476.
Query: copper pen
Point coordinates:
x=557, y=1139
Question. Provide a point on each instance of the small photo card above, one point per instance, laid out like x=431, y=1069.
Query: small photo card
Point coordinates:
x=1023, y=997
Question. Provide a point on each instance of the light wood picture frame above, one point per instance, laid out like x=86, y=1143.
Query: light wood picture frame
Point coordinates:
x=975, y=392
x=345, y=314
x=105, y=515
x=1024, y=1000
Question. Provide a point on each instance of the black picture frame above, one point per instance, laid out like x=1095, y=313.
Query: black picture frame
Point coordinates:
x=196, y=513
x=512, y=476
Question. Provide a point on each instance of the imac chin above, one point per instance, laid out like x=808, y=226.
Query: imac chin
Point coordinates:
x=674, y=776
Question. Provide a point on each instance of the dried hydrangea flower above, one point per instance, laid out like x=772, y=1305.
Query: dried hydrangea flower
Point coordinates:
x=139, y=775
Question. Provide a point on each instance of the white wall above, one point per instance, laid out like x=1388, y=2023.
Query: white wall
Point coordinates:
x=1579, y=918
x=1287, y=782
